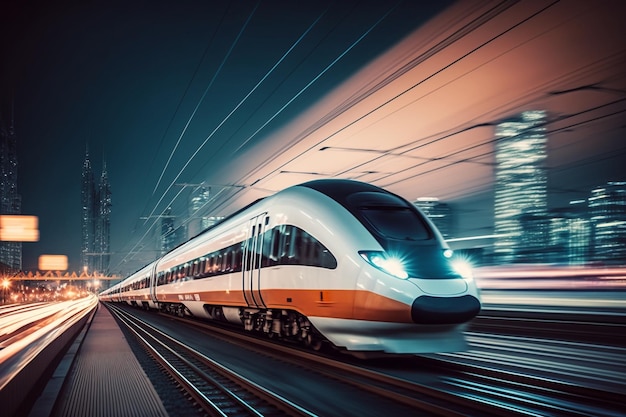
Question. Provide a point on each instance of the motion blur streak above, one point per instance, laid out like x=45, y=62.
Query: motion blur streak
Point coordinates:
x=551, y=277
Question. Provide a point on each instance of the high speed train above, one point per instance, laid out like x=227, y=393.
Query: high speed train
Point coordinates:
x=336, y=261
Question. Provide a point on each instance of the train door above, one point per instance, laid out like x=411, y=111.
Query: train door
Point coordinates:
x=153, y=284
x=252, y=254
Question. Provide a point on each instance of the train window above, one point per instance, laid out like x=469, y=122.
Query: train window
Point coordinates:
x=266, y=248
x=273, y=257
x=280, y=245
x=227, y=259
x=285, y=244
x=200, y=269
x=238, y=258
x=290, y=245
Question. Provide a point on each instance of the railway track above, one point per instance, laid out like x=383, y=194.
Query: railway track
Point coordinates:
x=464, y=388
x=218, y=390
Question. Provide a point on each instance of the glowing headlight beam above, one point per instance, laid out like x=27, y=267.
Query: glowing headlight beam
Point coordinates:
x=463, y=268
x=391, y=266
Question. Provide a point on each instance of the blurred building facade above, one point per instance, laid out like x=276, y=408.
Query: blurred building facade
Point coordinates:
x=570, y=234
x=520, y=188
x=439, y=213
x=10, y=199
x=198, y=202
x=103, y=224
x=168, y=239
x=96, y=220
x=607, y=214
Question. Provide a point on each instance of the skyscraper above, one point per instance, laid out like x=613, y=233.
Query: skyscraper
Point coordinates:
x=103, y=224
x=607, y=206
x=10, y=199
x=520, y=184
x=168, y=232
x=88, y=216
x=197, y=203
x=438, y=212
x=96, y=214
x=570, y=235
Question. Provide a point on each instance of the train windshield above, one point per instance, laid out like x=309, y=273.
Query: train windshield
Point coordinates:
x=396, y=223
x=390, y=216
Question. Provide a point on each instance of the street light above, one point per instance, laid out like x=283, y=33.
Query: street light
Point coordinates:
x=6, y=283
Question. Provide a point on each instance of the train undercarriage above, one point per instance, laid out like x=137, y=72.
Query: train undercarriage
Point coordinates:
x=278, y=324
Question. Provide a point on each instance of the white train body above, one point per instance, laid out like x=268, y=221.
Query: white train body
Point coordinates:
x=326, y=259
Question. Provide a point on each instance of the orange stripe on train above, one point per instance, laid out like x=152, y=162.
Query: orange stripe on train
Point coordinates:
x=342, y=304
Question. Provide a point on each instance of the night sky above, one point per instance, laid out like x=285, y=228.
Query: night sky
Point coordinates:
x=123, y=79
x=174, y=93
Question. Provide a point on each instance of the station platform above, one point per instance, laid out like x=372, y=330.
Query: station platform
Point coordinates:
x=104, y=378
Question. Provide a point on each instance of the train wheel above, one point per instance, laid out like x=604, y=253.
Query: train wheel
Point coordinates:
x=313, y=342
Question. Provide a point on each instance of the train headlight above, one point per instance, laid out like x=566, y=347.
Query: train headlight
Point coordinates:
x=380, y=260
x=463, y=268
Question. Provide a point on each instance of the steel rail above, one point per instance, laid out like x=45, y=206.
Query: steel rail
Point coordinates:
x=411, y=394
x=201, y=377
x=475, y=381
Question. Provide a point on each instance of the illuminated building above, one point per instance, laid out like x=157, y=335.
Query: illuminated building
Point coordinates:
x=533, y=238
x=439, y=213
x=168, y=232
x=520, y=185
x=197, y=204
x=607, y=208
x=103, y=224
x=570, y=234
x=96, y=214
x=10, y=199
x=212, y=221
x=87, y=194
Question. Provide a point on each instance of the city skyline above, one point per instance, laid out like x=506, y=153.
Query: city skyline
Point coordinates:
x=440, y=212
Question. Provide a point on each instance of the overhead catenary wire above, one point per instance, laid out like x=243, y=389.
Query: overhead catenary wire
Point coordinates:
x=206, y=90
x=180, y=102
x=485, y=143
x=151, y=215
x=245, y=98
x=492, y=13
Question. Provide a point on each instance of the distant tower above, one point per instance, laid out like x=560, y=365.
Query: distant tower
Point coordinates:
x=438, y=212
x=607, y=206
x=570, y=234
x=96, y=220
x=10, y=199
x=520, y=183
x=168, y=233
x=88, y=220
x=103, y=224
x=197, y=203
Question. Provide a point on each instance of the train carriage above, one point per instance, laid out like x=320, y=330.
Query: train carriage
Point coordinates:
x=329, y=260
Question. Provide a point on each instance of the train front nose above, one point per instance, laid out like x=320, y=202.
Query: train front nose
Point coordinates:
x=427, y=309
